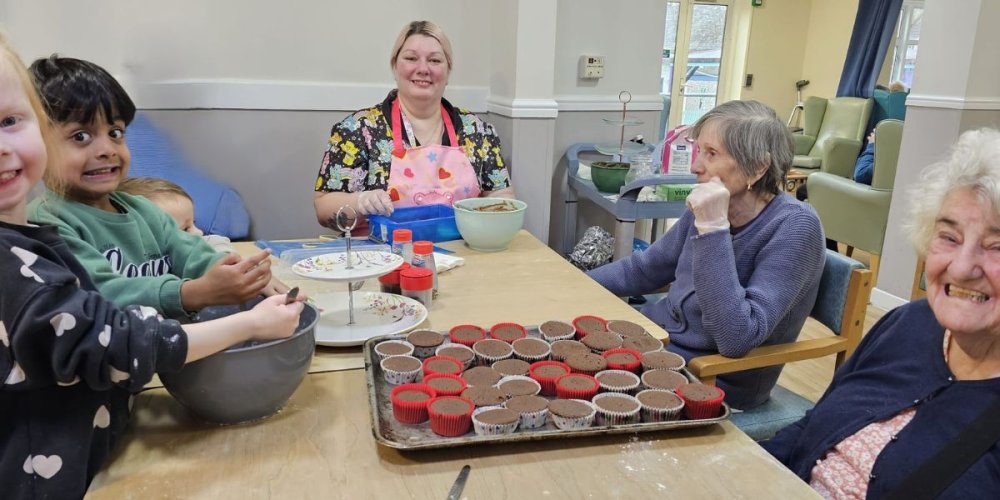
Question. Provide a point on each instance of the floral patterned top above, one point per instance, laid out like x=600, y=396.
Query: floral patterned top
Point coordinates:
x=359, y=153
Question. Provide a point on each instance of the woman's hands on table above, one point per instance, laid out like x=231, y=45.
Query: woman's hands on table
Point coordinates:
x=709, y=201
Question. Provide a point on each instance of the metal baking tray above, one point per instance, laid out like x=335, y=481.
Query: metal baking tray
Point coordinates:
x=393, y=434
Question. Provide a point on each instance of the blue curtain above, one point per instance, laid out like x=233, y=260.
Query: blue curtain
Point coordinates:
x=873, y=27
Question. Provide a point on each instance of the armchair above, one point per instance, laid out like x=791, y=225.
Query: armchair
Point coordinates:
x=832, y=134
x=856, y=214
x=844, y=290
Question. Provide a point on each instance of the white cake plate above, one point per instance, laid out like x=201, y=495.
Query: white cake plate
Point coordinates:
x=375, y=314
x=366, y=264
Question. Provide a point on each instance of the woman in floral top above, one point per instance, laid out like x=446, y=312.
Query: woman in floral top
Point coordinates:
x=414, y=148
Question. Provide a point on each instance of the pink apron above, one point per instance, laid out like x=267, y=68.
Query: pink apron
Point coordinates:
x=430, y=174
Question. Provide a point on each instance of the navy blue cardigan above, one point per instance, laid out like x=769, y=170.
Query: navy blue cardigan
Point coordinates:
x=899, y=364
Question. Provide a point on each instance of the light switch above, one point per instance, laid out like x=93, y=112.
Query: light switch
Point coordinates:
x=591, y=67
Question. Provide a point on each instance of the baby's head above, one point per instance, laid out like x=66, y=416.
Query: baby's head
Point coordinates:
x=25, y=136
x=170, y=197
x=90, y=111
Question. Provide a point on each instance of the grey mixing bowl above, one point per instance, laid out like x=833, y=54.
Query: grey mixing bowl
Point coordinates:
x=248, y=381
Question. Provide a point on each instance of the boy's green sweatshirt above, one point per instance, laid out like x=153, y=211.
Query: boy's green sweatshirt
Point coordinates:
x=136, y=256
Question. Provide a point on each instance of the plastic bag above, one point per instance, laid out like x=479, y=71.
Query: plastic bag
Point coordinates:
x=679, y=151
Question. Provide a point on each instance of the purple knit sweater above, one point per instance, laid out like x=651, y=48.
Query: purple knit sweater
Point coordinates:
x=752, y=288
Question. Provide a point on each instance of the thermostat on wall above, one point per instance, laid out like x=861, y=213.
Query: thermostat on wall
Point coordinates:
x=591, y=67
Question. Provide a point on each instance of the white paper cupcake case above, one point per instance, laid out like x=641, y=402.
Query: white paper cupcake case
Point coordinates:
x=484, y=429
x=507, y=378
x=401, y=342
x=606, y=417
x=483, y=360
x=533, y=420
x=567, y=424
x=630, y=390
x=660, y=414
x=570, y=336
x=396, y=377
x=466, y=364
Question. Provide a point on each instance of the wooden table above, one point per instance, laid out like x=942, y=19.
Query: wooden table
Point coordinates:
x=320, y=445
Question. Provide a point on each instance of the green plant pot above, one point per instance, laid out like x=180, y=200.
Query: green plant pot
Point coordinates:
x=608, y=176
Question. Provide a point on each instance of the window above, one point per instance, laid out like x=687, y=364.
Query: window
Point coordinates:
x=907, y=38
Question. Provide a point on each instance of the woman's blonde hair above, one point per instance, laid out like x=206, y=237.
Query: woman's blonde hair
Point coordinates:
x=973, y=163
x=12, y=62
x=426, y=28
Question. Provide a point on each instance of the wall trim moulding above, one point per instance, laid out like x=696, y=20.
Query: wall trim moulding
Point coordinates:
x=885, y=300
x=953, y=102
x=280, y=95
x=607, y=102
x=522, y=108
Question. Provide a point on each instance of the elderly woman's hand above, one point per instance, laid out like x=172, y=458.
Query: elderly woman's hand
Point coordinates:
x=375, y=202
x=709, y=201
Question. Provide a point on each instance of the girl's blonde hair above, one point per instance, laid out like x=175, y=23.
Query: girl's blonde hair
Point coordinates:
x=152, y=187
x=426, y=28
x=10, y=61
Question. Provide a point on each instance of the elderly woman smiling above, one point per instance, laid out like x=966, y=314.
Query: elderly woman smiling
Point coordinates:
x=928, y=368
x=744, y=262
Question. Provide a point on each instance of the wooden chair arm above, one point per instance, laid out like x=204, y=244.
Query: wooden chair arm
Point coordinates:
x=707, y=368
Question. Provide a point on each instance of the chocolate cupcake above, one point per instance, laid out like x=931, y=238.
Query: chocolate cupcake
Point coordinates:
x=400, y=369
x=659, y=405
x=576, y=386
x=483, y=395
x=546, y=373
x=602, y=341
x=561, y=349
x=481, y=376
x=625, y=328
x=466, y=334
x=508, y=332
x=424, y=342
x=463, y=353
x=518, y=385
x=490, y=351
x=588, y=324
x=450, y=416
x=446, y=384
x=663, y=379
x=554, y=330
x=570, y=414
x=512, y=367
x=642, y=343
x=531, y=350
x=662, y=360
x=494, y=420
x=533, y=410
x=442, y=364
x=588, y=363
x=616, y=409
x=393, y=348
x=409, y=402
x=700, y=400
x=623, y=359
x=618, y=381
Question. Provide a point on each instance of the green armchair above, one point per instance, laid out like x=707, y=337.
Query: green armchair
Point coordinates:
x=856, y=214
x=832, y=134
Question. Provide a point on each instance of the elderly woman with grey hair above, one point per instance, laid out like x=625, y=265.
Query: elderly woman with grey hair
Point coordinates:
x=743, y=262
x=926, y=378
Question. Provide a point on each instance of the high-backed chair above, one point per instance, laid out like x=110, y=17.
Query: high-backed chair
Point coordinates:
x=856, y=214
x=832, y=133
x=844, y=290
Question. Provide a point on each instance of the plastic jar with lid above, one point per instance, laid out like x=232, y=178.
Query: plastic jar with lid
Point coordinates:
x=402, y=244
x=389, y=283
x=417, y=283
x=423, y=256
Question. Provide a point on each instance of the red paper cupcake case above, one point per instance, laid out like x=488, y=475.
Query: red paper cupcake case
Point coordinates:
x=460, y=366
x=524, y=331
x=564, y=393
x=411, y=412
x=548, y=383
x=581, y=333
x=695, y=410
x=451, y=335
x=451, y=425
x=634, y=367
x=439, y=392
